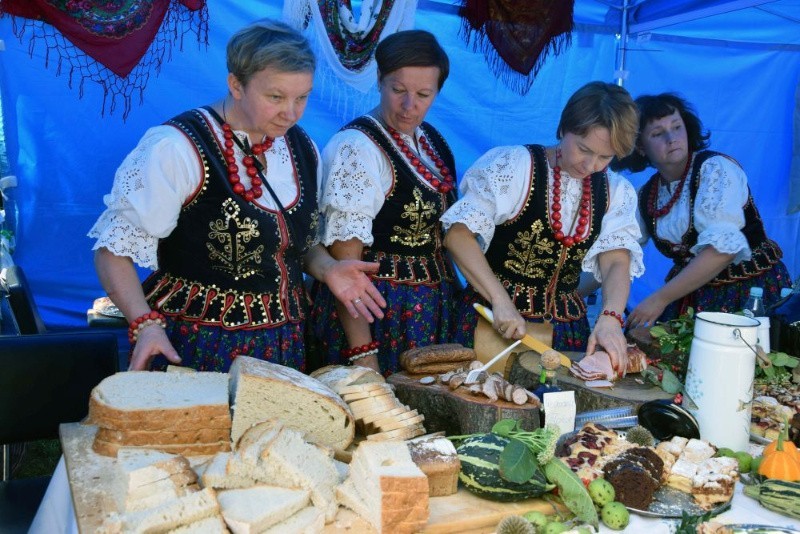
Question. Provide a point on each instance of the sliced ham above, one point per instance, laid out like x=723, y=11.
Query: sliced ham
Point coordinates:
x=597, y=367
x=599, y=384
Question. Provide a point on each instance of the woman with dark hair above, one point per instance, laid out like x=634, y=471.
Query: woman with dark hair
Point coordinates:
x=221, y=202
x=698, y=210
x=532, y=218
x=388, y=178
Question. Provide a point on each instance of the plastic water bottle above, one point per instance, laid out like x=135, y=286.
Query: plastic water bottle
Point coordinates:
x=754, y=307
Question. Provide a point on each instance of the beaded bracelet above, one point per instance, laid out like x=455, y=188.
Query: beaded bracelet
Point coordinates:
x=354, y=359
x=615, y=315
x=356, y=353
x=145, y=320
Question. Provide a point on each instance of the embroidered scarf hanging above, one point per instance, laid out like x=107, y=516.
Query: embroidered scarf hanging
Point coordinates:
x=344, y=47
x=516, y=37
x=115, y=43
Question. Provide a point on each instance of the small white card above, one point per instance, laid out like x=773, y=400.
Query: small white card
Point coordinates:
x=559, y=410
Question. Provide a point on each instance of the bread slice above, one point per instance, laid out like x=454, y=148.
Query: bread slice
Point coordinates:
x=391, y=492
x=252, y=510
x=163, y=437
x=146, y=497
x=262, y=390
x=136, y=396
x=340, y=376
x=211, y=525
x=436, y=456
x=216, y=474
x=283, y=458
x=309, y=520
x=188, y=421
x=139, y=467
x=107, y=448
x=171, y=514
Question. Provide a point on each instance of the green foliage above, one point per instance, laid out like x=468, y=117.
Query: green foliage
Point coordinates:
x=778, y=370
x=572, y=491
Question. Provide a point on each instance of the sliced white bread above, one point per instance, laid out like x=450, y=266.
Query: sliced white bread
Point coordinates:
x=340, y=376
x=309, y=520
x=284, y=458
x=107, y=448
x=210, y=525
x=144, y=438
x=187, y=421
x=139, y=467
x=216, y=474
x=155, y=496
x=136, y=396
x=262, y=390
x=171, y=514
x=392, y=490
x=253, y=510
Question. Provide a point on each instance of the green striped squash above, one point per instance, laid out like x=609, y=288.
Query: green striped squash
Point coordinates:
x=480, y=471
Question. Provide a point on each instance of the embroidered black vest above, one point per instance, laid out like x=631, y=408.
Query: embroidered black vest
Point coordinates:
x=407, y=233
x=228, y=262
x=765, y=252
x=540, y=274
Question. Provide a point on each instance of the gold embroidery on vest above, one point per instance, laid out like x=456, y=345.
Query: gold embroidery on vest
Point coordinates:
x=234, y=257
x=571, y=276
x=420, y=213
x=526, y=260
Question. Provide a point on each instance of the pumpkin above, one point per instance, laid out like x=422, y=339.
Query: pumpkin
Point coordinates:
x=781, y=463
x=787, y=444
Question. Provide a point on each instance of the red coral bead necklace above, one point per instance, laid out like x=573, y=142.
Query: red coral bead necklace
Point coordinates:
x=249, y=161
x=583, y=213
x=653, y=199
x=443, y=185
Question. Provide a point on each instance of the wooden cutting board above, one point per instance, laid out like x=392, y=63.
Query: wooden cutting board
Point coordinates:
x=458, y=412
x=91, y=475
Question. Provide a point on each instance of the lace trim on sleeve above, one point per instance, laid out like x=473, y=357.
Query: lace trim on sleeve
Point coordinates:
x=116, y=233
x=719, y=214
x=619, y=230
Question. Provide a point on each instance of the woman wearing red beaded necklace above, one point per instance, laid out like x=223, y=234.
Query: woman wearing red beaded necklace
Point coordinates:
x=699, y=212
x=221, y=202
x=389, y=177
x=531, y=218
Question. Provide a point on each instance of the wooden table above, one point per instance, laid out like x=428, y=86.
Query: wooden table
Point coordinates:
x=91, y=475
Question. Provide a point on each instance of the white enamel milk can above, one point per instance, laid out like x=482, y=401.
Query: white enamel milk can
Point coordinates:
x=719, y=379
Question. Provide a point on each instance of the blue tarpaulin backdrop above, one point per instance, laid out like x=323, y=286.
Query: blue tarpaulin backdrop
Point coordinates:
x=738, y=61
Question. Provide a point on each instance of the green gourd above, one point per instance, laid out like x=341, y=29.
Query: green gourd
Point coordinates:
x=777, y=495
x=480, y=471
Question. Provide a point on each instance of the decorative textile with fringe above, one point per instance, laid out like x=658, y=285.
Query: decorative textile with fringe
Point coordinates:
x=346, y=49
x=516, y=37
x=114, y=43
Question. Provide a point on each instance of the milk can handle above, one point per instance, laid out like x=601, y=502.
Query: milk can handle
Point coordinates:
x=759, y=353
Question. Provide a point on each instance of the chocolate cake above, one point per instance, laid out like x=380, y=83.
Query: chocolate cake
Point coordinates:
x=633, y=484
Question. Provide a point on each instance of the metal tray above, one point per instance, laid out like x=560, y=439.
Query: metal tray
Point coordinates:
x=670, y=503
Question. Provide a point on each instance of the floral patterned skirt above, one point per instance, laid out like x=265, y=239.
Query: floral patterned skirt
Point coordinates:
x=731, y=298
x=211, y=348
x=415, y=316
x=567, y=335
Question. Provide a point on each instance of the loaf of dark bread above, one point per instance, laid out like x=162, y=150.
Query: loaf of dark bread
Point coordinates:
x=415, y=360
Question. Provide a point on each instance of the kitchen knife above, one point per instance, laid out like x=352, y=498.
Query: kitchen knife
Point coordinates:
x=527, y=340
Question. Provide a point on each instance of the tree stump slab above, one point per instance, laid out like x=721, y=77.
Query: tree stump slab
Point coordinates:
x=460, y=411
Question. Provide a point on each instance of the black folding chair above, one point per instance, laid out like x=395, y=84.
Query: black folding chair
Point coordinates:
x=45, y=380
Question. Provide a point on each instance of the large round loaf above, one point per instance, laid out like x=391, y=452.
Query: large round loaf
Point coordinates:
x=262, y=390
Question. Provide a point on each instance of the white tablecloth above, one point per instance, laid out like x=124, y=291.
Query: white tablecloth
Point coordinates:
x=56, y=514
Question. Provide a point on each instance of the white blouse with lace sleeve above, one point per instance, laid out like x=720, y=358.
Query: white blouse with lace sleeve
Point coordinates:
x=157, y=177
x=493, y=191
x=718, y=209
x=358, y=176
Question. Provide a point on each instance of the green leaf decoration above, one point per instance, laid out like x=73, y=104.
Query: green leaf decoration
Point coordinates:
x=670, y=382
x=517, y=462
x=657, y=331
x=667, y=347
x=571, y=490
x=504, y=427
